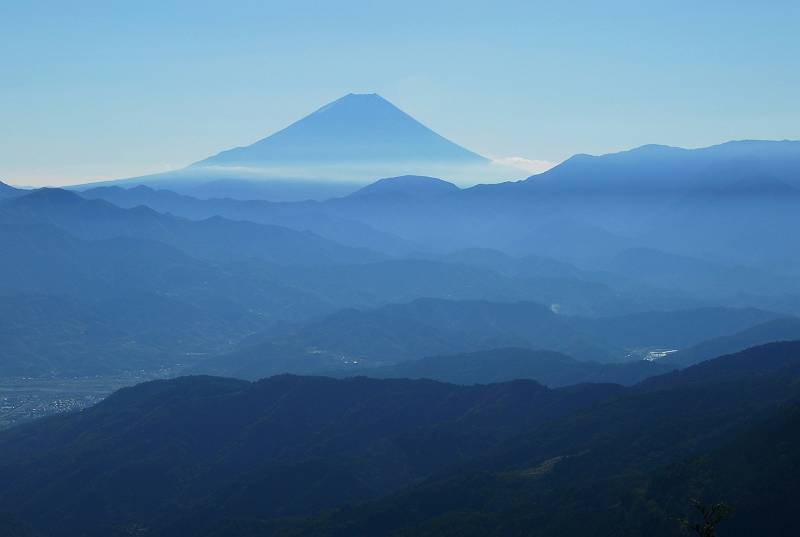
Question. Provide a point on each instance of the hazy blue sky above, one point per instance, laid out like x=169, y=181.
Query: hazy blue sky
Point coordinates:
x=92, y=90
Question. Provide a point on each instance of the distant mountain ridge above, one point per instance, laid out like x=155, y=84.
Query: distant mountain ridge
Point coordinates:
x=720, y=204
x=302, y=216
x=663, y=167
x=407, y=186
x=213, y=237
x=700, y=222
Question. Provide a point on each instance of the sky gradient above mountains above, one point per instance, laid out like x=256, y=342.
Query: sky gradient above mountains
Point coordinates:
x=87, y=98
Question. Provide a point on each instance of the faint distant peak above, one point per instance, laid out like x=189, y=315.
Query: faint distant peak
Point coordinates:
x=105, y=189
x=730, y=148
x=719, y=166
x=642, y=151
x=407, y=185
x=53, y=194
x=141, y=188
x=654, y=148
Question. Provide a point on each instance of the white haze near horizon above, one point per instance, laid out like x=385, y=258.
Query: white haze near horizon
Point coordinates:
x=500, y=169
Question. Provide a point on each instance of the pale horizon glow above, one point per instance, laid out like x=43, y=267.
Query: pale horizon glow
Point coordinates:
x=531, y=166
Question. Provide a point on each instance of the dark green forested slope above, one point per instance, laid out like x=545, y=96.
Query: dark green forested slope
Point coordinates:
x=718, y=432
x=183, y=453
x=222, y=457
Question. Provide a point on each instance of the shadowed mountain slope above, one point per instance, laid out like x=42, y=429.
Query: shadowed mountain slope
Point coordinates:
x=230, y=448
x=8, y=191
x=782, y=329
x=628, y=465
x=220, y=457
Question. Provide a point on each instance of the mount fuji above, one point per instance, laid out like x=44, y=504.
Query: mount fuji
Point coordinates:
x=355, y=129
x=331, y=152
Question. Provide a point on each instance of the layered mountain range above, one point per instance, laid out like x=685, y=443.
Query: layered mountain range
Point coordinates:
x=598, y=349
x=580, y=240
